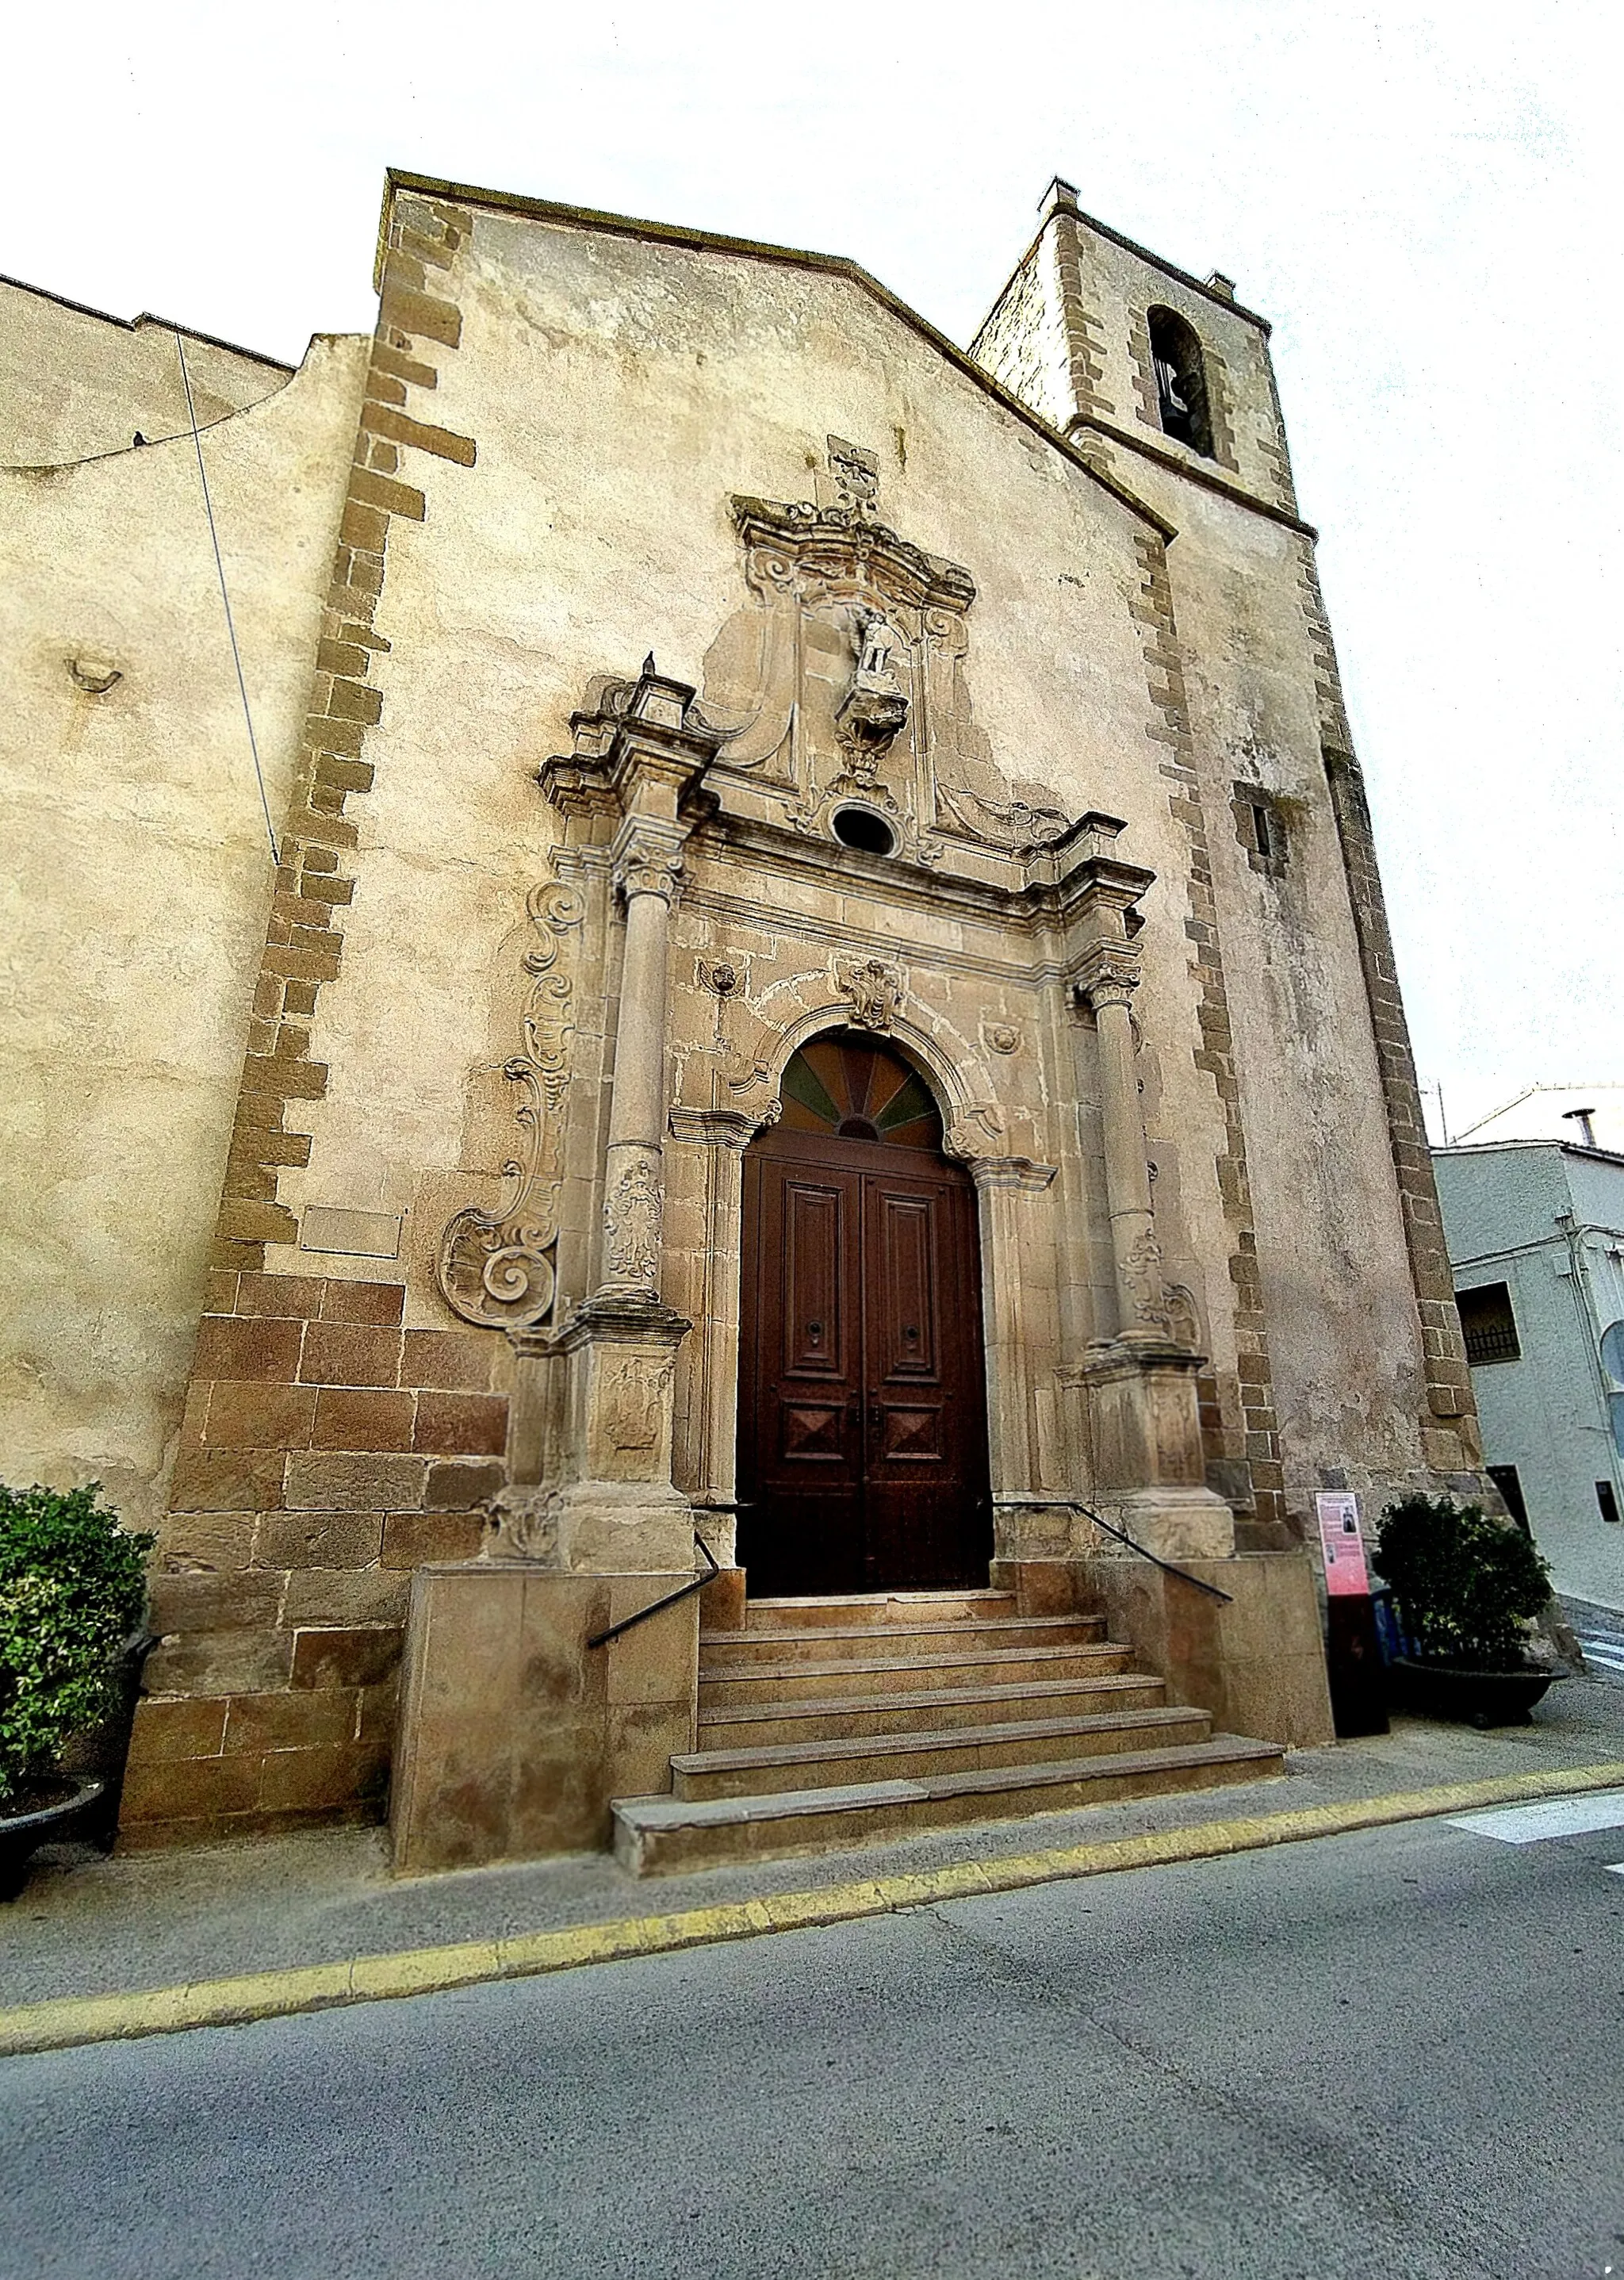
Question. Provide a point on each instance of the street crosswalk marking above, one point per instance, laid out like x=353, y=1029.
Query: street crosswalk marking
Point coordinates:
x=1606, y=1651
x=1557, y=1816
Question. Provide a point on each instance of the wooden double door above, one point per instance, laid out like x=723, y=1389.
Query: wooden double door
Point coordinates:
x=862, y=1403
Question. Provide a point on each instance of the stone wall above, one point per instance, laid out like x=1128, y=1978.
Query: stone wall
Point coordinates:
x=76, y=385
x=325, y=1448
x=325, y=1453
x=524, y=483
x=138, y=877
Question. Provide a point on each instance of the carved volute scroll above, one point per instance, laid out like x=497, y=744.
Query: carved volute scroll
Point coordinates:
x=495, y=1268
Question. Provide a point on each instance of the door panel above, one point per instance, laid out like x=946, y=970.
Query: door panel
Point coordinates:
x=924, y=1471
x=800, y=1431
x=905, y=1296
x=862, y=1408
x=814, y=1242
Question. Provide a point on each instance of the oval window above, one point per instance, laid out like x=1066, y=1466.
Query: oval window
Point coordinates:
x=861, y=827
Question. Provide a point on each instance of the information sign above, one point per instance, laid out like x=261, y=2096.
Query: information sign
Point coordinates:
x=1346, y=1574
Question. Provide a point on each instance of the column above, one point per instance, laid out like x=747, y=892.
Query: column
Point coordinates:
x=648, y=864
x=1141, y=1308
x=1003, y=1182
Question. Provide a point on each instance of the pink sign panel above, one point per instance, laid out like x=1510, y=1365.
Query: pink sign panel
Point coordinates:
x=1346, y=1574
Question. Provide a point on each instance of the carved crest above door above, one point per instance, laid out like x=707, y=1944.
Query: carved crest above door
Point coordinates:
x=842, y=685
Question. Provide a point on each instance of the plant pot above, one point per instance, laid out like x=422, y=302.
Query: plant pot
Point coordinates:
x=101, y=1751
x=1481, y=1697
x=44, y=1822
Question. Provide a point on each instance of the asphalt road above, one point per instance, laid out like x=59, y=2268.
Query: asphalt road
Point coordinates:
x=1396, y=2054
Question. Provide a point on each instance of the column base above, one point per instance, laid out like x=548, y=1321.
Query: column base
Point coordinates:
x=593, y=1528
x=514, y=1734
x=1175, y=1520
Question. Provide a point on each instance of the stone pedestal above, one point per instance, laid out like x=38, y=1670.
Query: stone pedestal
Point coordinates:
x=1145, y=1427
x=1256, y=1664
x=514, y=1732
x=608, y=1487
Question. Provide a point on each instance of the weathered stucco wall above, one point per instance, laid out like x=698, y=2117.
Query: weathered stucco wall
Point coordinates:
x=136, y=888
x=620, y=392
x=1335, y=1151
x=1344, y=1335
x=74, y=385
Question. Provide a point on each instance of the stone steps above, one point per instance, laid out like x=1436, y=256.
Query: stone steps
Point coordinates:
x=722, y=1683
x=828, y=1722
x=782, y=1718
x=784, y=1643
x=661, y=1835
x=840, y=1763
x=881, y=1607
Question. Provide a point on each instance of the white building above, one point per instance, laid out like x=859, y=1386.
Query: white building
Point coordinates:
x=1533, y=1201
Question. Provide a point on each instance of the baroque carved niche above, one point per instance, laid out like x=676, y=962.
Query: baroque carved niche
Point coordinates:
x=496, y=1267
x=843, y=681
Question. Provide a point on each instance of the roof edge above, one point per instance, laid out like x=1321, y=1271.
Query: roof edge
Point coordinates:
x=1598, y=1154
x=828, y=264
x=133, y=324
x=1141, y=253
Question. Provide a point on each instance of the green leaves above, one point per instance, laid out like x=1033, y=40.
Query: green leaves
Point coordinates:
x=1465, y=1584
x=73, y=1586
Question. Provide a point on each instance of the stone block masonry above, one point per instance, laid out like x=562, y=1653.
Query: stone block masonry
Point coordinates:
x=304, y=937
x=1240, y=1429
x=326, y=1451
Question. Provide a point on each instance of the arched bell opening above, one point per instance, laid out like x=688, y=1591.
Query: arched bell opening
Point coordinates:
x=862, y=1449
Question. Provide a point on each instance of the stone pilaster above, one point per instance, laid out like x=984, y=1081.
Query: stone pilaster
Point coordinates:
x=647, y=866
x=1108, y=983
x=1141, y=1386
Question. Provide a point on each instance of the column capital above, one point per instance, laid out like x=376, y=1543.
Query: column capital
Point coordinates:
x=1018, y=1172
x=1109, y=976
x=721, y=1128
x=647, y=858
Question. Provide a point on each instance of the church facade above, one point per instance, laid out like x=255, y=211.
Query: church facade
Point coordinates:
x=821, y=1023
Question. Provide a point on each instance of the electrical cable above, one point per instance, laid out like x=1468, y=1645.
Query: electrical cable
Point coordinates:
x=236, y=654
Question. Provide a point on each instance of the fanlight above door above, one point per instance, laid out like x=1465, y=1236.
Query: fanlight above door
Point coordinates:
x=850, y=1086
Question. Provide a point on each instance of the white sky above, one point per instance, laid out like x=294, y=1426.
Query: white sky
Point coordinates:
x=1425, y=199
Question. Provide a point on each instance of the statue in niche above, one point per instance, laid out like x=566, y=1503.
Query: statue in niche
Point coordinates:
x=872, y=711
x=850, y=658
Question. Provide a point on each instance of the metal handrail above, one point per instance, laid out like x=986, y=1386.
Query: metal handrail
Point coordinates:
x=1070, y=1504
x=683, y=1591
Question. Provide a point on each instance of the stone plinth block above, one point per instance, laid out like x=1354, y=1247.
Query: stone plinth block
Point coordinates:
x=1144, y=1415
x=1174, y=1522
x=514, y=1733
x=1257, y=1663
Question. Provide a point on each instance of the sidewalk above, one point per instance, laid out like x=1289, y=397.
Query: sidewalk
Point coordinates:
x=88, y=1926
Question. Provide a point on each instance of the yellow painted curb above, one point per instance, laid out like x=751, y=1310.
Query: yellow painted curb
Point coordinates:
x=75, y=2020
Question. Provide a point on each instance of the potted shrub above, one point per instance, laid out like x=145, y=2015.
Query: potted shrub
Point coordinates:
x=73, y=1587
x=1466, y=1588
